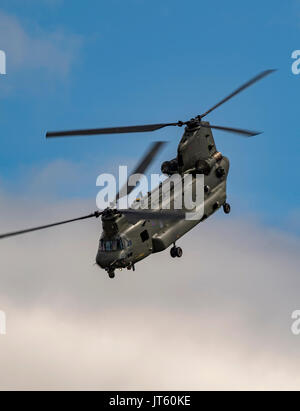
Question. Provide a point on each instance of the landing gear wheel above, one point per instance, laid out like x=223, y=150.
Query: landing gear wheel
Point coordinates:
x=173, y=252
x=226, y=208
x=111, y=274
x=179, y=252
x=176, y=252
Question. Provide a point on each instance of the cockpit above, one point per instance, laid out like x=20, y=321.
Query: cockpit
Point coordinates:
x=115, y=244
x=111, y=245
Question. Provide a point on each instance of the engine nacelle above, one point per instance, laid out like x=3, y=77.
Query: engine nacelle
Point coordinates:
x=170, y=167
x=205, y=166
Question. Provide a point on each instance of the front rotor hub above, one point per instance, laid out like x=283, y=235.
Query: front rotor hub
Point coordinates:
x=193, y=123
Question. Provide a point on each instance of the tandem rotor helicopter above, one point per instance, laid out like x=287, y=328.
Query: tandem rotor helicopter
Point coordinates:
x=130, y=235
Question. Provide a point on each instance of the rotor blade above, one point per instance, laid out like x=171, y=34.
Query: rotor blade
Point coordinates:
x=142, y=166
x=237, y=91
x=109, y=130
x=140, y=214
x=245, y=133
x=96, y=214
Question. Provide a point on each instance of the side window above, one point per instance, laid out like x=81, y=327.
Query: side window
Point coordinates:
x=144, y=235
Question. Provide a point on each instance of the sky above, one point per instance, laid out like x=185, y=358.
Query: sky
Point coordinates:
x=95, y=64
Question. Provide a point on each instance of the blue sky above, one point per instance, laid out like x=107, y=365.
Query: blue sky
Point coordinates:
x=97, y=63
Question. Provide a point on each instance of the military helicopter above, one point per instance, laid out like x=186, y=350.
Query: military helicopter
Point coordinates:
x=132, y=234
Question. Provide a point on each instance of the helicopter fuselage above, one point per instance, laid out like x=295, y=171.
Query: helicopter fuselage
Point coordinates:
x=123, y=242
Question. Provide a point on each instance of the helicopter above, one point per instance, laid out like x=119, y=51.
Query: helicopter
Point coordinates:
x=132, y=234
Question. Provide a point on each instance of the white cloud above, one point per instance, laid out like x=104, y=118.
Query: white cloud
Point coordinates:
x=36, y=49
x=219, y=318
x=121, y=348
